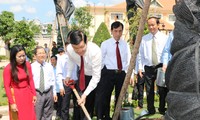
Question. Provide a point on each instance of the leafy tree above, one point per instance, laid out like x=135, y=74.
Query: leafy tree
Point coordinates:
x=24, y=35
x=82, y=19
x=7, y=22
x=35, y=28
x=101, y=34
x=20, y=32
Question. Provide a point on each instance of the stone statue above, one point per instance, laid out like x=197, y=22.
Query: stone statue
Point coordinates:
x=182, y=75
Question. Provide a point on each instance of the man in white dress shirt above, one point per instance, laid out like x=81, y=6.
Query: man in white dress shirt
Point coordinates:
x=45, y=90
x=149, y=59
x=91, y=55
x=112, y=76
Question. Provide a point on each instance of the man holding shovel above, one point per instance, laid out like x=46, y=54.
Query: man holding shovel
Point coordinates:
x=87, y=56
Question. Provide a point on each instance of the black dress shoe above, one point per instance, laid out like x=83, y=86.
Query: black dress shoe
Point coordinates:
x=152, y=112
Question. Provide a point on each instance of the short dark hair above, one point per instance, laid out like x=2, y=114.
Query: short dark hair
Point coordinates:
x=116, y=24
x=68, y=38
x=156, y=18
x=69, y=33
x=38, y=47
x=53, y=56
x=77, y=36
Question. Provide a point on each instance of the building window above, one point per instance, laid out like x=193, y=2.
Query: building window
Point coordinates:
x=172, y=18
x=116, y=16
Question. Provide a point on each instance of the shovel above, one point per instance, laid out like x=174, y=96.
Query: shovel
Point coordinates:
x=71, y=85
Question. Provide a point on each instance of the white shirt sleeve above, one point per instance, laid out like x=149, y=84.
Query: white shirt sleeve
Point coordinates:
x=96, y=73
x=59, y=73
x=70, y=67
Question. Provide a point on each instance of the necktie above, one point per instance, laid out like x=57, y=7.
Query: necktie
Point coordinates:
x=119, y=62
x=41, y=79
x=82, y=76
x=154, y=53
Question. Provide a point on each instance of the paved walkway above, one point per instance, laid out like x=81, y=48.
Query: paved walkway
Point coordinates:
x=4, y=113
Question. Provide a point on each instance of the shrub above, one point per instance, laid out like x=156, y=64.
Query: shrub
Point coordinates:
x=3, y=57
x=101, y=34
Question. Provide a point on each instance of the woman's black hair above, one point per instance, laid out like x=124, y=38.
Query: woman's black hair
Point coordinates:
x=13, y=63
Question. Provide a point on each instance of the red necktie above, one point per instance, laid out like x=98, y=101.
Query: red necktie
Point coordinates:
x=82, y=76
x=119, y=62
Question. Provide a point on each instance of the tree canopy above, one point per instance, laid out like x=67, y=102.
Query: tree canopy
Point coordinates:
x=18, y=32
x=7, y=23
x=24, y=35
x=82, y=20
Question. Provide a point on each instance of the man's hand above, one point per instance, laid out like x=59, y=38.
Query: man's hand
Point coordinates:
x=62, y=92
x=164, y=68
x=34, y=99
x=82, y=99
x=14, y=107
x=66, y=81
x=55, y=98
x=140, y=73
x=136, y=78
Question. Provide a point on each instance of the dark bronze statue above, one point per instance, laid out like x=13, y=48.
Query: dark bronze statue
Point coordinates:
x=66, y=10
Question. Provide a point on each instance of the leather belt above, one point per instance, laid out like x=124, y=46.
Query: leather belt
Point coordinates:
x=45, y=91
x=116, y=71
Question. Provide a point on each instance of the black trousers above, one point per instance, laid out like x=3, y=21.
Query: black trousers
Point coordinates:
x=66, y=104
x=110, y=79
x=140, y=87
x=89, y=101
x=162, y=91
x=150, y=77
x=58, y=105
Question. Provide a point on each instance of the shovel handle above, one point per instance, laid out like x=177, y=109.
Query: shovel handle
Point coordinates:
x=82, y=105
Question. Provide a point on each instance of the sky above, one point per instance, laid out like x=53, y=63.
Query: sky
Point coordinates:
x=44, y=10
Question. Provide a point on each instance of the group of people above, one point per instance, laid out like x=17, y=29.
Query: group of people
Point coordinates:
x=96, y=72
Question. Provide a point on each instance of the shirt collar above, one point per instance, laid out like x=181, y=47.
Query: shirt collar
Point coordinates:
x=114, y=41
x=43, y=64
x=156, y=35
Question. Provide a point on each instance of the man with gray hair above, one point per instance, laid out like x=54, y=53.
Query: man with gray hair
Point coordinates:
x=44, y=80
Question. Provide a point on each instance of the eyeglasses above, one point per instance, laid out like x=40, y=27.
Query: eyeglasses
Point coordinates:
x=40, y=53
x=21, y=56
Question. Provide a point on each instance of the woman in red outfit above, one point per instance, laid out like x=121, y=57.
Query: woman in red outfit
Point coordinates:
x=19, y=86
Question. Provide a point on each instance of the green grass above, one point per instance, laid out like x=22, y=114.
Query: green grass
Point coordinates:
x=157, y=115
x=3, y=98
